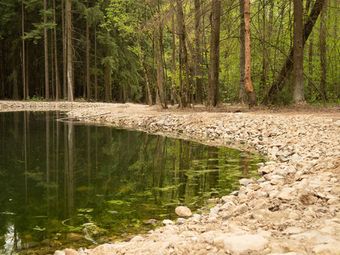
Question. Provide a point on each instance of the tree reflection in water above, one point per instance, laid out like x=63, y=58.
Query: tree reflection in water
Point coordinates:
x=64, y=182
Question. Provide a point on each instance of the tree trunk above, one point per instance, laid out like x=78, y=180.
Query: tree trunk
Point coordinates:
x=95, y=65
x=310, y=65
x=323, y=51
x=56, y=67
x=288, y=65
x=23, y=62
x=88, y=85
x=69, y=50
x=52, y=84
x=183, y=55
x=159, y=63
x=298, y=95
x=107, y=82
x=242, y=52
x=173, y=59
x=264, y=35
x=198, y=53
x=147, y=85
x=2, y=80
x=47, y=80
x=213, y=80
x=247, y=48
x=63, y=29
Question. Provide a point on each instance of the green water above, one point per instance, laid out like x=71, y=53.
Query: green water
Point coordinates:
x=70, y=184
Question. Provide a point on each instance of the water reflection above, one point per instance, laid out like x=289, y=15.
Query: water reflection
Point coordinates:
x=63, y=183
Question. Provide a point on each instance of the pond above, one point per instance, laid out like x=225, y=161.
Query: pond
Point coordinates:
x=67, y=184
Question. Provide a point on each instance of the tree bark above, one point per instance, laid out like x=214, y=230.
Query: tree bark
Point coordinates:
x=69, y=50
x=47, y=80
x=310, y=65
x=95, y=65
x=107, y=82
x=173, y=98
x=298, y=95
x=242, y=52
x=56, y=67
x=88, y=81
x=159, y=63
x=323, y=51
x=247, y=73
x=183, y=56
x=23, y=63
x=264, y=35
x=63, y=30
x=286, y=69
x=198, y=52
x=213, y=79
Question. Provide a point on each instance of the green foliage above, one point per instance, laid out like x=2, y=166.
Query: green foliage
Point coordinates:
x=125, y=32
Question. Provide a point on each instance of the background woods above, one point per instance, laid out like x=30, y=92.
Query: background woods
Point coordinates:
x=165, y=52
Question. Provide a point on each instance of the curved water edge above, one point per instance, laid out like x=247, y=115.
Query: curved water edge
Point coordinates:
x=79, y=185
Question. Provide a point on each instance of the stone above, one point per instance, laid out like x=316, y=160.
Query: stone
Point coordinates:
x=286, y=194
x=183, y=211
x=71, y=252
x=74, y=237
x=293, y=230
x=180, y=221
x=240, y=209
x=167, y=222
x=332, y=248
x=150, y=222
x=245, y=181
x=241, y=244
x=59, y=252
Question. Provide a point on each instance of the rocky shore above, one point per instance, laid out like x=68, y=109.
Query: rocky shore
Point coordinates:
x=294, y=208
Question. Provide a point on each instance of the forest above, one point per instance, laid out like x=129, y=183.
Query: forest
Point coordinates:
x=166, y=52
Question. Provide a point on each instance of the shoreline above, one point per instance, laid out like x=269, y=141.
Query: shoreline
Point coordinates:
x=294, y=207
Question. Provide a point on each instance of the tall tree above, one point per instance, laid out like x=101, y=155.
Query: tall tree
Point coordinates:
x=298, y=95
x=242, y=52
x=323, y=51
x=213, y=79
x=55, y=48
x=183, y=56
x=87, y=57
x=247, y=73
x=47, y=79
x=69, y=51
x=161, y=90
x=23, y=62
x=198, y=52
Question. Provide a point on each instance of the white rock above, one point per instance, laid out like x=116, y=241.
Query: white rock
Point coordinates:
x=327, y=249
x=245, y=181
x=71, y=252
x=183, y=211
x=59, y=253
x=241, y=244
x=286, y=194
x=168, y=222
